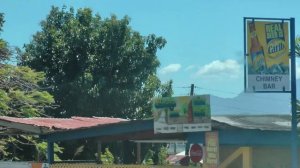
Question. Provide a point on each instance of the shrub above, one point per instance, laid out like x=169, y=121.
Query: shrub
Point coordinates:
x=107, y=158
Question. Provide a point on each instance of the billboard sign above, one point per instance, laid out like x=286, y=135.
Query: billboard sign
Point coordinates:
x=267, y=62
x=211, y=150
x=181, y=114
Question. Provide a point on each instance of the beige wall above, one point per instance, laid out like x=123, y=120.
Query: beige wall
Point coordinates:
x=262, y=157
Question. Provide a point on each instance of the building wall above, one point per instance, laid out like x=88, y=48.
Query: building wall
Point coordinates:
x=262, y=156
x=271, y=157
x=270, y=149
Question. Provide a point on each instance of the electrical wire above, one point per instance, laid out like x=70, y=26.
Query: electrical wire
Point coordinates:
x=233, y=100
x=258, y=95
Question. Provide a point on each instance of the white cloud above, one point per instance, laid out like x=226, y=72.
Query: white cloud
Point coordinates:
x=170, y=69
x=224, y=69
x=190, y=67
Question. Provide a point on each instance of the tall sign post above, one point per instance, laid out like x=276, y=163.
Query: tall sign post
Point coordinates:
x=294, y=134
x=268, y=56
x=211, y=150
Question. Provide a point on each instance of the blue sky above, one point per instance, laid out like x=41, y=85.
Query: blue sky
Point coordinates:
x=204, y=38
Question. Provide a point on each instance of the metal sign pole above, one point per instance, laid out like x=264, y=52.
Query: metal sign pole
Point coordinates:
x=292, y=78
x=294, y=136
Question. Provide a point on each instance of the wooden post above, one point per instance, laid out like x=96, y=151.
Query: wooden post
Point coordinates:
x=50, y=152
x=99, y=149
x=138, y=153
x=246, y=153
x=247, y=157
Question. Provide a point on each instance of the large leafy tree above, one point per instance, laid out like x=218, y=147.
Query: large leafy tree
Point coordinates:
x=297, y=46
x=95, y=66
x=20, y=96
x=20, y=92
x=4, y=50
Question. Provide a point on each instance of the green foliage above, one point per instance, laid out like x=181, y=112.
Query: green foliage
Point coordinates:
x=4, y=99
x=4, y=49
x=148, y=159
x=23, y=147
x=20, y=94
x=166, y=89
x=297, y=46
x=1, y=21
x=42, y=150
x=162, y=156
x=107, y=157
x=298, y=109
x=97, y=67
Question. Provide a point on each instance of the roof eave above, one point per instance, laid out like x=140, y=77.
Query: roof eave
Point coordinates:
x=26, y=127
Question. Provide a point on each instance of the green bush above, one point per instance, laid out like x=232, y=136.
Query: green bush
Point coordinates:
x=162, y=156
x=107, y=158
x=148, y=158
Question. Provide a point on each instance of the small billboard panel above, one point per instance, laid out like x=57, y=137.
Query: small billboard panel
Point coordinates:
x=211, y=150
x=267, y=60
x=181, y=114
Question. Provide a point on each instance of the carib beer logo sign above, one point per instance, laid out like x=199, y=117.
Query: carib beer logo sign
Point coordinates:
x=275, y=40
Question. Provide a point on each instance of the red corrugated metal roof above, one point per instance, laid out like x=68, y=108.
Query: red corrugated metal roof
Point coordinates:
x=64, y=123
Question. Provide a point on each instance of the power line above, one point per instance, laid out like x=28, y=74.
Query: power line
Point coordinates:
x=232, y=100
x=215, y=90
x=229, y=92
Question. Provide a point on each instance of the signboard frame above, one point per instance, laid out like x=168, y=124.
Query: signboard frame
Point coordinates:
x=293, y=82
x=182, y=114
x=249, y=78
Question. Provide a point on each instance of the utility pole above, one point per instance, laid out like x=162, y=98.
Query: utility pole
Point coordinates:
x=294, y=122
x=192, y=90
x=187, y=147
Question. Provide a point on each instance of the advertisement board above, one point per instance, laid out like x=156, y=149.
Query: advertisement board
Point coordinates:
x=267, y=62
x=181, y=114
x=211, y=150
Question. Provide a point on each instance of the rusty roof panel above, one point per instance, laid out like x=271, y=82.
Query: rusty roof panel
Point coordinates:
x=63, y=123
x=261, y=122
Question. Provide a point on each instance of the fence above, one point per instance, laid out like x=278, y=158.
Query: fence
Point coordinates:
x=8, y=164
x=94, y=165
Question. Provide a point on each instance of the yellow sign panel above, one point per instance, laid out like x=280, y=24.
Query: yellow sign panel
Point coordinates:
x=268, y=56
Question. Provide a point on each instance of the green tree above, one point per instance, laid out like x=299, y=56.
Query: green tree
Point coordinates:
x=20, y=96
x=95, y=66
x=4, y=50
x=166, y=89
x=297, y=46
